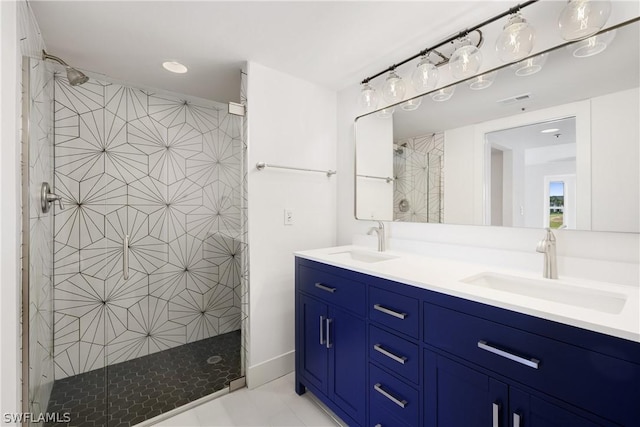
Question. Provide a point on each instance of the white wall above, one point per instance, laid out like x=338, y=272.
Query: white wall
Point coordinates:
x=291, y=123
x=10, y=214
x=615, y=155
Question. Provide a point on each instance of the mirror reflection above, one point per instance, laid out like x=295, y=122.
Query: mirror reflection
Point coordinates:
x=551, y=141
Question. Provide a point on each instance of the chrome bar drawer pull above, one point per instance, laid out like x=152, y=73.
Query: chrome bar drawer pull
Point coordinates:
x=328, y=323
x=532, y=363
x=516, y=419
x=399, y=359
x=390, y=312
x=321, y=330
x=125, y=257
x=325, y=288
x=400, y=403
x=496, y=415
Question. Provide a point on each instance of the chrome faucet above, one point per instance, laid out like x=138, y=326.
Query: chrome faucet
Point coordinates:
x=547, y=246
x=379, y=230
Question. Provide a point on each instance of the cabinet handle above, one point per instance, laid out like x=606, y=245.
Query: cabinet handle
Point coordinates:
x=378, y=425
x=390, y=312
x=532, y=363
x=325, y=288
x=496, y=415
x=379, y=389
x=399, y=359
x=516, y=419
x=328, y=323
x=125, y=257
x=321, y=330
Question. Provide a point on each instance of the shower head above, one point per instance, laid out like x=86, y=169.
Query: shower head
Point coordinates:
x=74, y=76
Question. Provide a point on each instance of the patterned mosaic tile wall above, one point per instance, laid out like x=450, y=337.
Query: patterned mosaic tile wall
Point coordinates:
x=39, y=148
x=418, y=186
x=167, y=173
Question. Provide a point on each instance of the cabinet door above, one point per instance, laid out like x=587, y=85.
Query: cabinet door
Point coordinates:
x=348, y=358
x=312, y=318
x=456, y=395
x=530, y=411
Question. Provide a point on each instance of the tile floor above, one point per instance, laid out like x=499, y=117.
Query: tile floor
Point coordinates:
x=273, y=404
x=130, y=392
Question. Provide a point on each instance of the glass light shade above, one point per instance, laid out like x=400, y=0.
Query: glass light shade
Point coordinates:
x=368, y=97
x=394, y=88
x=386, y=113
x=444, y=94
x=530, y=66
x=412, y=104
x=583, y=18
x=466, y=60
x=516, y=40
x=425, y=76
x=593, y=45
x=483, y=81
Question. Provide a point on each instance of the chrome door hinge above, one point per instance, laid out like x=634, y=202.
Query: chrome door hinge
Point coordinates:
x=237, y=109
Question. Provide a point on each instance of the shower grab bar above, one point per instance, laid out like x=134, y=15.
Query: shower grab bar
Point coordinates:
x=125, y=257
x=386, y=178
x=261, y=165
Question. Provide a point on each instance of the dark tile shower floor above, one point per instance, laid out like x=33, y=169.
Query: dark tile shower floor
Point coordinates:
x=148, y=386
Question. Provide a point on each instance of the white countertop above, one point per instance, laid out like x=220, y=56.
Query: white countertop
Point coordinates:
x=445, y=276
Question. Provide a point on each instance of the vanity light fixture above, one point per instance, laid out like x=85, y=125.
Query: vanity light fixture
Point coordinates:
x=593, y=45
x=425, y=76
x=466, y=60
x=412, y=104
x=174, y=67
x=516, y=40
x=530, y=66
x=394, y=88
x=443, y=94
x=368, y=97
x=386, y=113
x=583, y=18
x=483, y=81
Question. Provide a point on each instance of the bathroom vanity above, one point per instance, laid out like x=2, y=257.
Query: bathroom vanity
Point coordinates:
x=389, y=339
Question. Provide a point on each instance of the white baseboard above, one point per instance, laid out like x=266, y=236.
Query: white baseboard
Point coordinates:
x=270, y=370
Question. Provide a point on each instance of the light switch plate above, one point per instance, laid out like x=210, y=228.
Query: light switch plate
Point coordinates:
x=288, y=217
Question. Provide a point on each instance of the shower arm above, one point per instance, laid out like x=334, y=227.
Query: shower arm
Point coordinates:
x=46, y=56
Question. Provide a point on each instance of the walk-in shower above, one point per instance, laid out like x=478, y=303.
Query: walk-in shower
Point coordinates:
x=134, y=248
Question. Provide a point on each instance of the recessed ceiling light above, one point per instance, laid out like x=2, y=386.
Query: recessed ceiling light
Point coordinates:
x=174, y=67
x=550, y=130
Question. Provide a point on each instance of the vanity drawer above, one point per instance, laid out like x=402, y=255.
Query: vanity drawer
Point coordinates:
x=394, y=396
x=588, y=379
x=379, y=417
x=394, y=353
x=395, y=311
x=332, y=288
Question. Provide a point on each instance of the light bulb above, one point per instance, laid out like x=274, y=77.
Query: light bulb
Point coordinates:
x=466, y=60
x=425, y=76
x=583, y=18
x=530, y=66
x=443, y=94
x=386, y=113
x=368, y=97
x=412, y=104
x=393, y=89
x=483, y=81
x=516, y=40
x=593, y=45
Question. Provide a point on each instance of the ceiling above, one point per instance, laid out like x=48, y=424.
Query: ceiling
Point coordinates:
x=334, y=44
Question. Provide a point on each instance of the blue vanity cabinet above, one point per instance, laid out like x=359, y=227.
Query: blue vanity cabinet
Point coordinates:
x=331, y=340
x=383, y=353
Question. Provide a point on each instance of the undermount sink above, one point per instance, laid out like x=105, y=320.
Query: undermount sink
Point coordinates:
x=551, y=290
x=363, y=256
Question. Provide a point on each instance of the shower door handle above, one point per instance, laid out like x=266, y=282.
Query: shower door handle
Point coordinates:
x=125, y=257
